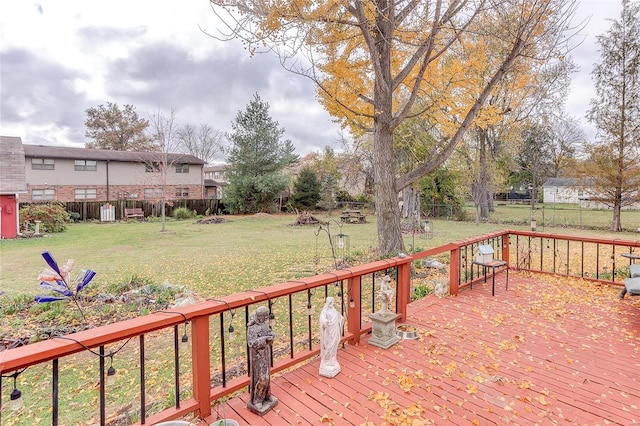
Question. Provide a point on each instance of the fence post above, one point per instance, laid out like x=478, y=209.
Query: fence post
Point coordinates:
x=201, y=364
x=454, y=270
x=354, y=313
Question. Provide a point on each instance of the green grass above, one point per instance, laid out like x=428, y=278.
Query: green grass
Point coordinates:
x=244, y=252
x=561, y=216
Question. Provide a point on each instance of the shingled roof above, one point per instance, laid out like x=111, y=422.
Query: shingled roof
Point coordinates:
x=42, y=151
x=12, y=173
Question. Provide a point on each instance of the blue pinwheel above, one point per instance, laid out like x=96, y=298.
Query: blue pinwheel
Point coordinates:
x=56, y=279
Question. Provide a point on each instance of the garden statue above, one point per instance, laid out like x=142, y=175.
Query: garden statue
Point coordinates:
x=385, y=294
x=259, y=340
x=331, y=325
x=383, y=322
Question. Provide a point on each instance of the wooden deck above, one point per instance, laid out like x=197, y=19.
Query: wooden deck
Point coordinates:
x=547, y=351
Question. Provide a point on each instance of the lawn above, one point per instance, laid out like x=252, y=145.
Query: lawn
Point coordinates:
x=244, y=252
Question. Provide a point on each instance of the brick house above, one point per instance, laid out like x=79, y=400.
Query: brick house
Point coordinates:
x=12, y=184
x=215, y=181
x=80, y=174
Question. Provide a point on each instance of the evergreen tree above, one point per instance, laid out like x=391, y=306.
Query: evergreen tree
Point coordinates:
x=328, y=194
x=306, y=190
x=613, y=166
x=257, y=157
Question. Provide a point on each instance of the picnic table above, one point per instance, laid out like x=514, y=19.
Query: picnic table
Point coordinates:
x=353, y=216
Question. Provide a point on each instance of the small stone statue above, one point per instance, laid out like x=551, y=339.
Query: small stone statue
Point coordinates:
x=259, y=340
x=385, y=294
x=331, y=324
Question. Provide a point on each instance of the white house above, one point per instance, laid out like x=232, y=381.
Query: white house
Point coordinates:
x=562, y=190
x=568, y=191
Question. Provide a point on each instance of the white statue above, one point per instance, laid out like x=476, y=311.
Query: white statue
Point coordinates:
x=385, y=294
x=331, y=324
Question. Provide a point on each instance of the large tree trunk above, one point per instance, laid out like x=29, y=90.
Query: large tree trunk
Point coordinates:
x=616, y=223
x=390, y=240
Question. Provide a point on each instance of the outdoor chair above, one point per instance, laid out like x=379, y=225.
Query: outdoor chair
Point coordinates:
x=632, y=284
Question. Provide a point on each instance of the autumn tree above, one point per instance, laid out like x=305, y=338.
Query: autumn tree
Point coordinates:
x=378, y=62
x=257, y=157
x=110, y=127
x=326, y=164
x=566, y=138
x=306, y=189
x=613, y=166
x=202, y=142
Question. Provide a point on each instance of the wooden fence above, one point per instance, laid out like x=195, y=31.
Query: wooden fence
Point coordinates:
x=90, y=210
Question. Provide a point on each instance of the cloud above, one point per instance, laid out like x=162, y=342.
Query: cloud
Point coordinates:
x=60, y=58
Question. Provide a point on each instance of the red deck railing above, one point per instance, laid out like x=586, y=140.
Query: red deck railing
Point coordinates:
x=216, y=372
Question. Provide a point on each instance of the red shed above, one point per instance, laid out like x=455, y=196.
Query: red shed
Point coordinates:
x=12, y=183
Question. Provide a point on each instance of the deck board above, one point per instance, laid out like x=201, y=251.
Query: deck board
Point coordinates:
x=546, y=351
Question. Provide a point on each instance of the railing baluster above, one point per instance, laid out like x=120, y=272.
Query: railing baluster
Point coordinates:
x=103, y=417
x=143, y=402
x=54, y=391
x=373, y=292
x=597, y=261
x=222, y=349
x=246, y=321
x=291, y=326
x=309, y=306
x=176, y=365
x=613, y=262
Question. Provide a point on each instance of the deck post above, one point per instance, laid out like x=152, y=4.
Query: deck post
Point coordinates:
x=454, y=271
x=505, y=248
x=354, y=313
x=403, y=289
x=201, y=364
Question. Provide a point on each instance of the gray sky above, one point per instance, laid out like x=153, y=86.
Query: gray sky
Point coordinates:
x=60, y=57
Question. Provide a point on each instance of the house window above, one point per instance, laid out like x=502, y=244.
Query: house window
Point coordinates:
x=152, y=167
x=182, y=168
x=85, y=166
x=153, y=193
x=182, y=192
x=43, y=194
x=42, y=164
x=86, y=193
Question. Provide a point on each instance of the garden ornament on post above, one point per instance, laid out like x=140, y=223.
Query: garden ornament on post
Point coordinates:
x=383, y=322
x=259, y=339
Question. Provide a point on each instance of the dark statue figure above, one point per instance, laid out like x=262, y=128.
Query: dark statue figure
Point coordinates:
x=259, y=340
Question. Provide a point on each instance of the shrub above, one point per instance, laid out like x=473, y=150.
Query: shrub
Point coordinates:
x=53, y=216
x=182, y=213
x=421, y=290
